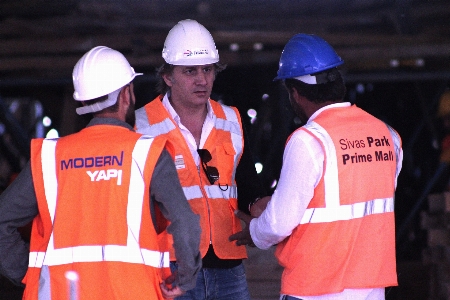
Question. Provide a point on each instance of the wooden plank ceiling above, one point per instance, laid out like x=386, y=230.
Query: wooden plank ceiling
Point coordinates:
x=42, y=39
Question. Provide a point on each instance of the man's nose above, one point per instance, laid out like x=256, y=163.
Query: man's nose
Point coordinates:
x=200, y=79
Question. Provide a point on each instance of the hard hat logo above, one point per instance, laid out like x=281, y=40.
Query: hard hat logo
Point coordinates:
x=189, y=43
x=189, y=53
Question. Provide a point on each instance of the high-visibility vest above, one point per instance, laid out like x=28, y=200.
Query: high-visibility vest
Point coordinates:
x=92, y=189
x=214, y=203
x=346, y=238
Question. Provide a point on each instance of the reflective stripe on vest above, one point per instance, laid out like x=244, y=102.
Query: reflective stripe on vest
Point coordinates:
x=142, y=124
x=212, y=191
x=130, y=253
x=230, y=124
x=333, y=210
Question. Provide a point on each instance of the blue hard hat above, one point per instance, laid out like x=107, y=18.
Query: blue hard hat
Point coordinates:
x=306, y=54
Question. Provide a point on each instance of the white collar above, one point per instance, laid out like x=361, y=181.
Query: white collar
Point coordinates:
x=340, y=104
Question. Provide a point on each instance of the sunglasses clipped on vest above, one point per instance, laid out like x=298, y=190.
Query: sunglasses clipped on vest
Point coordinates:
x=211, y=172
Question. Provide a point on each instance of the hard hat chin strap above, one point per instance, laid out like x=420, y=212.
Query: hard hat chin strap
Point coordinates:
x=98, y=106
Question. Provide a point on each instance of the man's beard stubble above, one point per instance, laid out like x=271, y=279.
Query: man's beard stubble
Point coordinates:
x=130, y=116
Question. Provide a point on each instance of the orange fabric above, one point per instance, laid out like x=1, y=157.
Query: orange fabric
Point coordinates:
x=217, y=218
x=328, y=257
x=95, y=213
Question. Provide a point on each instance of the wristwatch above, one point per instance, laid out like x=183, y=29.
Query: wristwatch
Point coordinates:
x=253, y=202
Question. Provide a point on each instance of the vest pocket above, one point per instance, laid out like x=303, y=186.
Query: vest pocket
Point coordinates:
x=224, y=162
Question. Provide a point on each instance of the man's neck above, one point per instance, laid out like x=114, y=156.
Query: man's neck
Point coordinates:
x=192, y=117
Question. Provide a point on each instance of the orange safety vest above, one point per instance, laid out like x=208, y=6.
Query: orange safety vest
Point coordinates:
x=346, y=238
x=92, y=189
x=215, y=204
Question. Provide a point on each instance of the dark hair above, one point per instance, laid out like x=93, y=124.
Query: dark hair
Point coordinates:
x=319, y=93
x=167, y=69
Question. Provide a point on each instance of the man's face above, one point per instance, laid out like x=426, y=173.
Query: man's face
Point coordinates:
x=190, y=85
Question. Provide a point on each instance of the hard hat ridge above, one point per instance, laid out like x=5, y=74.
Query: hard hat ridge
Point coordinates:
x=99, y=72
x=304, y=55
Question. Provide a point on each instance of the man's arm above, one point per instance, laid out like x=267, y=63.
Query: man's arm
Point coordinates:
x=301, y=171
x=18, y=207
x=184, y=225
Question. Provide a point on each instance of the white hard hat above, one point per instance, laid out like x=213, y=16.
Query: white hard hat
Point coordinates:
x=189, y=43
x=100, y=72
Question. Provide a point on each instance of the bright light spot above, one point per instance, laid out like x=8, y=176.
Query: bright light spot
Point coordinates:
x=258, y=46
x=420, y=62
x=274, y=184
x=46, y=121
x=258, y=167
x=394, y=63
x=265, y=97
x=71, y=275
x=14, y=106
x=360, y=88
x=234, y=47
x=251, y=113
x=52, y=133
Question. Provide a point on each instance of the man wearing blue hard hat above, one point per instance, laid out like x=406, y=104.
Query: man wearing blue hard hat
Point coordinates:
x=332, y=213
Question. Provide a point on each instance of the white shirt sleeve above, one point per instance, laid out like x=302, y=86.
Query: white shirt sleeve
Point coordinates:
x=302, y=168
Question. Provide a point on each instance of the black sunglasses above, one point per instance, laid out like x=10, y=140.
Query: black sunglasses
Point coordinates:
x=211, y=172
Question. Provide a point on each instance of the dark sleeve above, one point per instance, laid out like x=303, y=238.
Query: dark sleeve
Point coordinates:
x=248, y=183
x=18, y=207
x=166, y=190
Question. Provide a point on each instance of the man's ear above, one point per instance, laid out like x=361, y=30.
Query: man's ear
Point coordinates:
x=167, y=79
x=124, y=95
x=294, y=94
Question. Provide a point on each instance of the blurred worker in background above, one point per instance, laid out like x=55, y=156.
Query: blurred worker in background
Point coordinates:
x=444, y=116
x=95, y=196
x=209, y=155
x=332, y=213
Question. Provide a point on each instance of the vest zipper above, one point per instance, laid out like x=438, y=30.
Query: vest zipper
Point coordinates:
x=207, y=204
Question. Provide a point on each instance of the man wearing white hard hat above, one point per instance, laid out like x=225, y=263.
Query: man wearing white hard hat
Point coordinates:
x=95, y=198
x=209, y=156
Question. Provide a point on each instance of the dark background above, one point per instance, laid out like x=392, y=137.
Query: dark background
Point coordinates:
x=397, y=65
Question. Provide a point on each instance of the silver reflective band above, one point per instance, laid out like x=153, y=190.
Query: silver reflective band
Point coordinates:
x=212, y=192
x=216, y=192
x=348, y=212
x=131, y=252
x=143, y=125
x=192, y=192
x=110, y=253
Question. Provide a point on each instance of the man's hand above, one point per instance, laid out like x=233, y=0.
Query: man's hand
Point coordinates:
x=243, y=237
x=170, y=293
x=258, y=207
